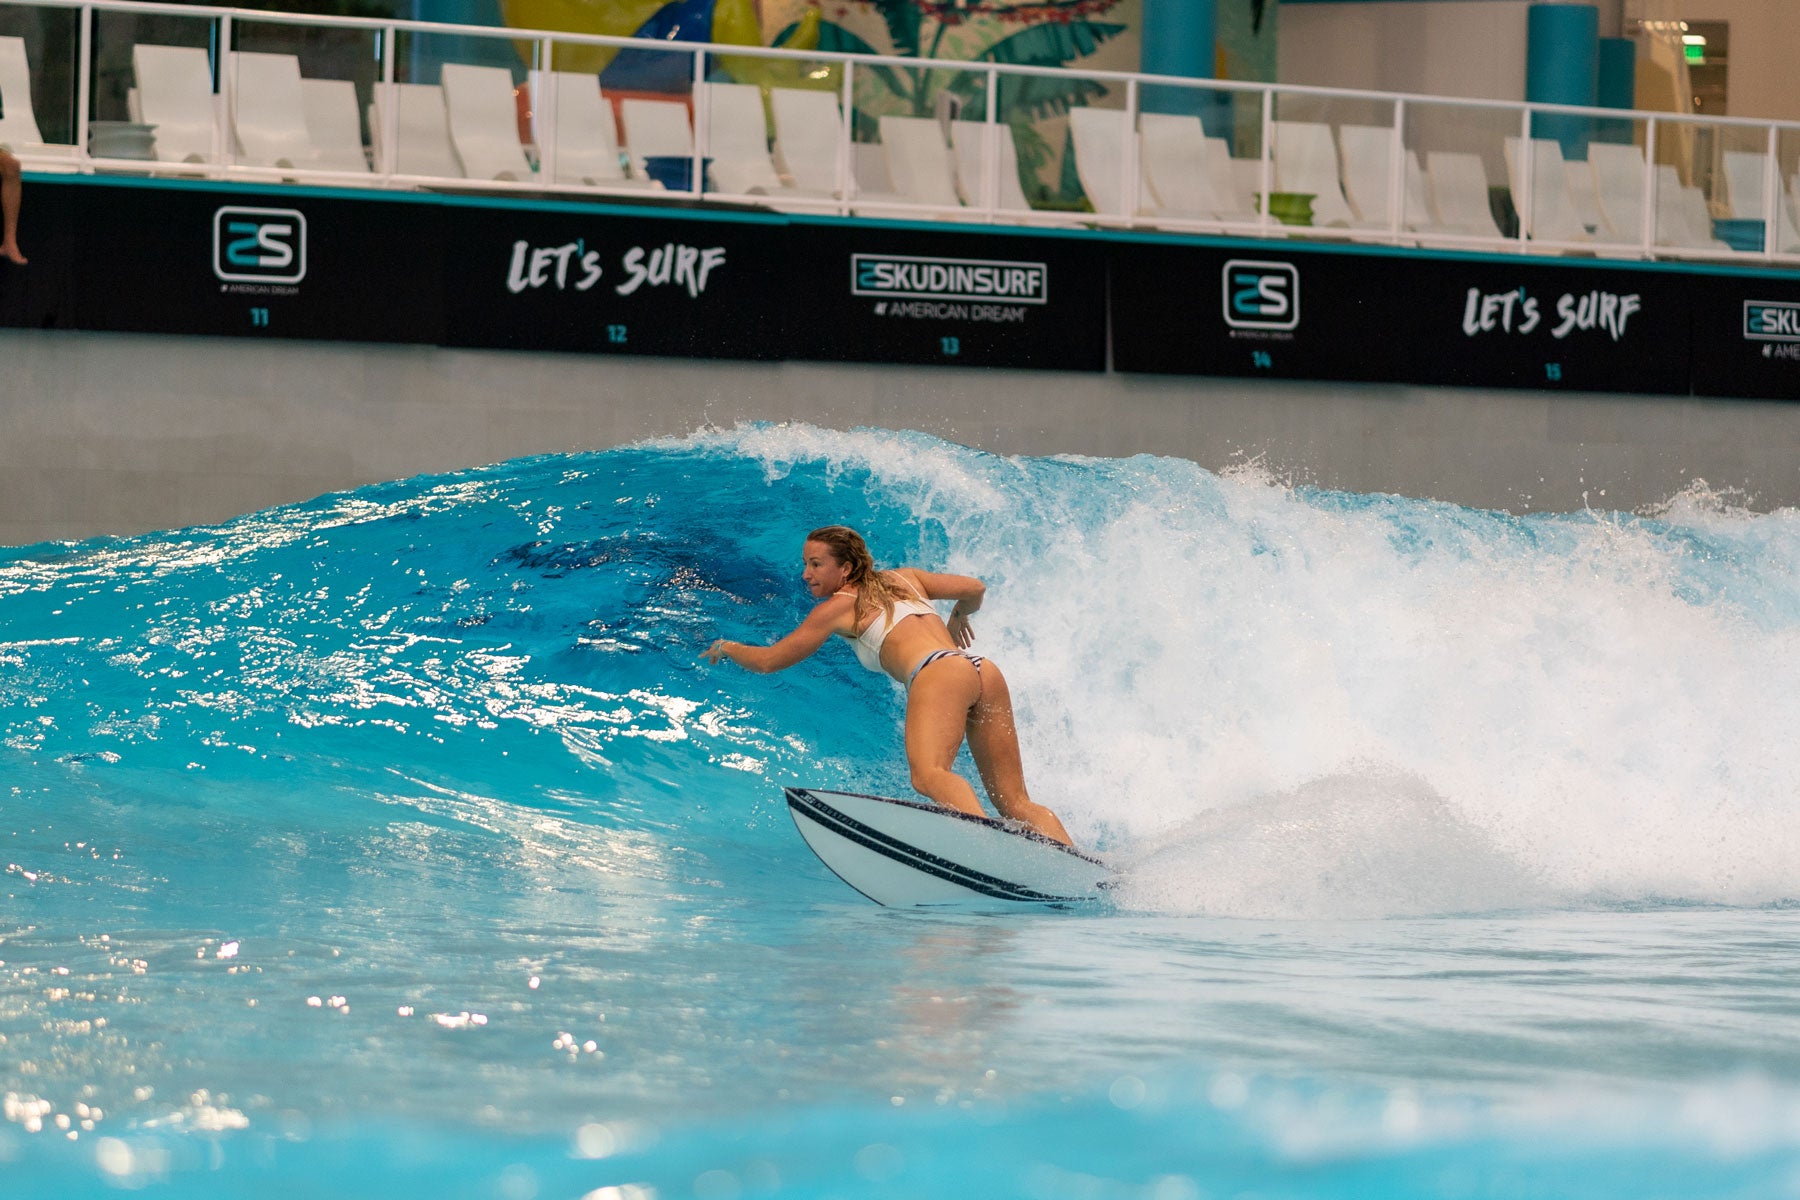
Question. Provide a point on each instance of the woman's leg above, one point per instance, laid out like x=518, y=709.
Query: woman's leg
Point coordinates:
x=994, y=741
x=10, y=191
x=937, y=711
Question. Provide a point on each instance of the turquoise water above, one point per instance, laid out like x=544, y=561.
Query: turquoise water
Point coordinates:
x=399, y=844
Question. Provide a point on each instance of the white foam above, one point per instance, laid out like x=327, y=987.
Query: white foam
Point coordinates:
x=1591, y=707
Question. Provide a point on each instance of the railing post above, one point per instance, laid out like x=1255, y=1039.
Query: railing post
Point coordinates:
x=1266, y=166
x=702, y=126
x=388, y=111
x=990, y=148
x=1648, y=211
x=1397, y=171
x=544, y=118
x=1772, y=196
x=222, y=105
x=1129, y=192
x=1527, y=167
x=846, y=179
x=84, y=87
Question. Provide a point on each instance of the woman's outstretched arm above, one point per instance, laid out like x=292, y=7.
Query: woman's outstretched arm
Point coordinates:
x=812, y=633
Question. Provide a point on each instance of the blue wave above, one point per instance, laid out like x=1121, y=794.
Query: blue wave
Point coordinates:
x=411, y=816
x=1183, y=643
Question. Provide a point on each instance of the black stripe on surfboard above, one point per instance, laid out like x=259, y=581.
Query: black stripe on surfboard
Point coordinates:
x=911, y=856
x=1012, y=830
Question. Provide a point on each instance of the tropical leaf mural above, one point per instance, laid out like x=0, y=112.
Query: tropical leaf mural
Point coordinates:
x=1056, y=34
x=1037, y=33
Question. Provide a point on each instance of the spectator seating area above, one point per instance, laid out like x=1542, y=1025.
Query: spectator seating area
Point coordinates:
x=1447, y=197
x=786, y=147
x=466, y=128
x=19, y=130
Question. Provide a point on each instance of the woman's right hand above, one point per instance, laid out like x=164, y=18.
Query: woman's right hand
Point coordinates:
x=961, y=632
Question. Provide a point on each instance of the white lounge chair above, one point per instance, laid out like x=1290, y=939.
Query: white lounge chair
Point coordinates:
x=1551, y=216
x=1099, y=136
x=808, y=133
x=484, y=123
x=1792, y=204
x=1245, y=174
x=1459, y=192
x=968, y=142
x=19, y=130
x=1744, y=175
x=585, y=133
x=1180, y=168
x=656, y=129
x=268, y=117
x=1306, y=161
x=738, y=140
x=1619, y=188
x=334, y=124
x=422, y=130
x=1682, y=219
x=1584, y=200
x=870, y=181
x=1420, y=214
x=175, y=94
x=1367, y=155
x=919, y=162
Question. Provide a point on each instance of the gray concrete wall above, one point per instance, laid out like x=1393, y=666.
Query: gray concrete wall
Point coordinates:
x=1469, y=48
x=111, y=433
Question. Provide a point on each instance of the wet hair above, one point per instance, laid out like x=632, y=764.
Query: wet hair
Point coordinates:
x=874, y=589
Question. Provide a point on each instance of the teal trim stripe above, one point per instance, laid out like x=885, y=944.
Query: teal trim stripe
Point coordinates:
x=672, y=208
x=1279, y=246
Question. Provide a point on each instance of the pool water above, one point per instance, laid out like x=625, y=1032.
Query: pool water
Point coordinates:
x=400, y=844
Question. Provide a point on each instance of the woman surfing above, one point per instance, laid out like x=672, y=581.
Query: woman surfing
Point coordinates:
x=951, y=692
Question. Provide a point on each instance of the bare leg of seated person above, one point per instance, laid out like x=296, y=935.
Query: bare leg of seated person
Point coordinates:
x=10, y=193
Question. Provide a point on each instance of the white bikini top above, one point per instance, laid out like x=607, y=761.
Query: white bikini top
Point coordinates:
x=867, y=644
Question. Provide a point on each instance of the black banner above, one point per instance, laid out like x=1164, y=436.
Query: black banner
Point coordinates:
x=1563, y=327
x=40, y=294
x=1264, y=309
x=873, y=293
x=1747, y=337
x=266, y=262
x=568, y=277
x=203, y=258
x=1257, y=310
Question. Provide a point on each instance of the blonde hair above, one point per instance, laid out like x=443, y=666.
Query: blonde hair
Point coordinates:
x=874, y=589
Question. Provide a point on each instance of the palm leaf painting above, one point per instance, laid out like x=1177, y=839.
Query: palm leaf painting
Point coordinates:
x=1056, y=42
x=1039, y=97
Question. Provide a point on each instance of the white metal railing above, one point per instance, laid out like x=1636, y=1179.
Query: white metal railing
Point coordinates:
x=1780, y=141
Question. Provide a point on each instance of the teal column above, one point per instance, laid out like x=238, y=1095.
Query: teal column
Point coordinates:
x=1618, y=86
x=1562, y=66
x=430, y=52
x=1177, y=37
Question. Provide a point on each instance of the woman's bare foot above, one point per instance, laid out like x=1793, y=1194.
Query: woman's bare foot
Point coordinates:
x=10, y=252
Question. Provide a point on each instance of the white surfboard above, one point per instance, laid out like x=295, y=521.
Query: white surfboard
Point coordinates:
x=908, y=854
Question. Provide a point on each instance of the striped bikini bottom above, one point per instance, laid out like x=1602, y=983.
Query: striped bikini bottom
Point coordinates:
x=937, y=654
